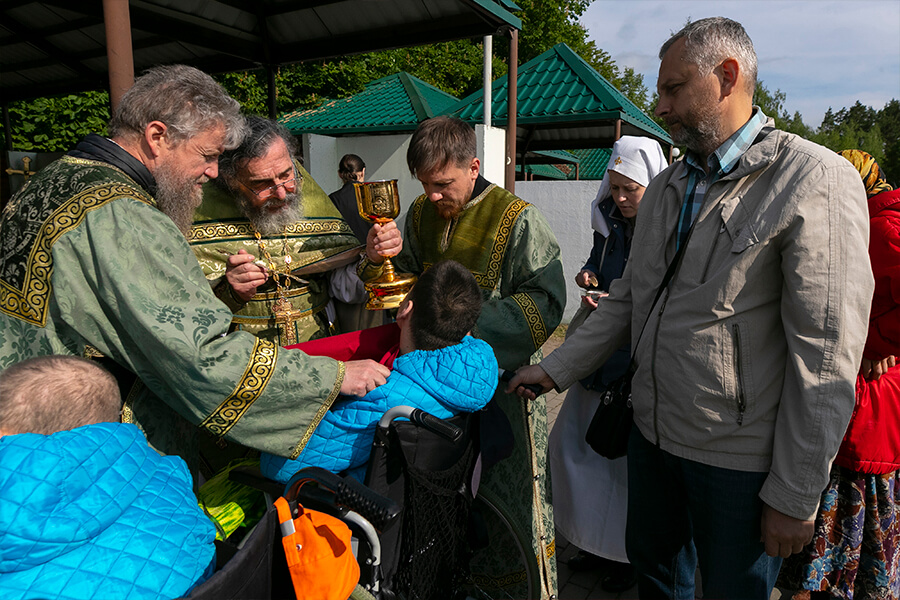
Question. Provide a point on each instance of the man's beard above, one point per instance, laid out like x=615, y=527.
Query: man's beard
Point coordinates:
x=702, y=137
x=266, y=221
x=448, y=209
x=178, y=197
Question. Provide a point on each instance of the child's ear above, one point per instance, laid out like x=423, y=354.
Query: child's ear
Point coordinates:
x=405, y=311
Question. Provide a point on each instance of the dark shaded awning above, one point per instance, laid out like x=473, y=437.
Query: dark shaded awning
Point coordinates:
x=59, y=46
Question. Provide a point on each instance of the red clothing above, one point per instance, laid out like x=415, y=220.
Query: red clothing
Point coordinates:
x=381, y=344
x=872, y=442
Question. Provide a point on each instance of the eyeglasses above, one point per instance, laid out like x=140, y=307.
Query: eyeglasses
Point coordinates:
x=290, y=186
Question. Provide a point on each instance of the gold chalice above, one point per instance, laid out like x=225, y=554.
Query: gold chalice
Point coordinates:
x=379, y=201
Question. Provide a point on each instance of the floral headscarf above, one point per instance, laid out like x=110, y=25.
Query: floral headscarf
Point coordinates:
x=869, y=171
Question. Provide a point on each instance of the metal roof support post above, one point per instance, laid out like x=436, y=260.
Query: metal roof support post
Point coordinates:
x=513, y=87
x=270, y=81
x=488, y=92
x=119, y=56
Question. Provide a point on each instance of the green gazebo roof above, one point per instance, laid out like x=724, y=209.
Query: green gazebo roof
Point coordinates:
x=394, y=103
x=563, y=103
x=592, y=162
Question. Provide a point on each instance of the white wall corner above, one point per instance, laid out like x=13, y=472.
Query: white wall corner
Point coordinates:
x=491, y=151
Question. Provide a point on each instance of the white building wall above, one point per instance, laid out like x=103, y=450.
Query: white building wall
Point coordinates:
x=567, y=206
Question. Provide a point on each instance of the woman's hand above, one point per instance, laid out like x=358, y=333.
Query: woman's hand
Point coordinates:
x=586, y=279
x=873, y=369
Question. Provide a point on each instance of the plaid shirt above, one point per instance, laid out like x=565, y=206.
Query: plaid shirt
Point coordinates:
x=720, y=163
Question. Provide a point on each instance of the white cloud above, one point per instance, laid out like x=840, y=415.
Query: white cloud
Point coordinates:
x=819, y=54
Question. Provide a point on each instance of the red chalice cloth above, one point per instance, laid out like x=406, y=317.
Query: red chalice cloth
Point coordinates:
x=381, y=344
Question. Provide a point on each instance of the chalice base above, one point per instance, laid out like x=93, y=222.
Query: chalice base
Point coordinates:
x=385, y=294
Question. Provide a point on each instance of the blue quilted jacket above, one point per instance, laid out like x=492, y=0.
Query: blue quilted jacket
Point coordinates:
x=444, y=382
x=96, y=513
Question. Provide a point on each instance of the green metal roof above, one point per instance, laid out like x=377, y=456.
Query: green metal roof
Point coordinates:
x=562, y=103
x=592, y=162
x=549, y=172
x=394, y=103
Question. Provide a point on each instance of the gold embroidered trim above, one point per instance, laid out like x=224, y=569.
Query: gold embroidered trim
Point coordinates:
x=250, y=387
x=532, y=317
x=128, y=405
x=551, y=548
x=326, y=406
x=217, y=230
x=30, y=303
x=91, y=352
x=501, y=241
x=294, y=314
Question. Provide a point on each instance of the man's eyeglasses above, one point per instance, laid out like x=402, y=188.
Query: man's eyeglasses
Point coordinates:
x=290, y=186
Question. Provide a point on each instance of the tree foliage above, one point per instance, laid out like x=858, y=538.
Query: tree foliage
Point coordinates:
x=56, y=124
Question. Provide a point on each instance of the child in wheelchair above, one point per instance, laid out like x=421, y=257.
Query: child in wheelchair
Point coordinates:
x=441, y=370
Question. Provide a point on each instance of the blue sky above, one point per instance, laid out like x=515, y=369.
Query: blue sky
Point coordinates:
x=820, y=53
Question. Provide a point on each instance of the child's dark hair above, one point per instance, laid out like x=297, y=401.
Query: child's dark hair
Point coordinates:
x=446, y=303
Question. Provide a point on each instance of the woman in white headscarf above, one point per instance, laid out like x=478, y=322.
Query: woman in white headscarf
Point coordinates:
x=589, y=491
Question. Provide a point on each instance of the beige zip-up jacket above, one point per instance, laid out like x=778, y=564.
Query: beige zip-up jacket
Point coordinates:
x=748, y=360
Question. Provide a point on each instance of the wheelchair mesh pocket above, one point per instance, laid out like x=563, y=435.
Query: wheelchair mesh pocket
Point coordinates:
x=433, y=554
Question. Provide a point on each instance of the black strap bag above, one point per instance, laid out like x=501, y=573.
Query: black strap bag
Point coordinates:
x=607, y=435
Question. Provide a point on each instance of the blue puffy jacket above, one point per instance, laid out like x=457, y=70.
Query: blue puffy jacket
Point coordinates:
x=96, y=513
x=445, y=382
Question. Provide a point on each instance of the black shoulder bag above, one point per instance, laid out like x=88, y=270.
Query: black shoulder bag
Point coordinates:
x=607, y=435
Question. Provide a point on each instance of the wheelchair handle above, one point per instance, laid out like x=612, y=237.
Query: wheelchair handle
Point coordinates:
x=422, y=419
x=506, y=377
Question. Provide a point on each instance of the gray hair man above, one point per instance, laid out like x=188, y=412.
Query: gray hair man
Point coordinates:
x=271, y=242
x=93, y=264
x=747, y=362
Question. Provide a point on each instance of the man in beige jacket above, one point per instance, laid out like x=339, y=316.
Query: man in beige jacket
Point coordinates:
x=746, y=363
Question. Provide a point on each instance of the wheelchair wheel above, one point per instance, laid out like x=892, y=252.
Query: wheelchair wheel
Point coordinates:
x=507, y=567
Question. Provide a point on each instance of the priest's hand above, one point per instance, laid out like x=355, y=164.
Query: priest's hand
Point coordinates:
x=363, y=376
x=383, y=240
x=243, y=275
x=531, y=374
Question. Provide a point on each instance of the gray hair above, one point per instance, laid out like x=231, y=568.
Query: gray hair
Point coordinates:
x=186, y=99
x=708, y=42
x=47, y=394
x=260, y=135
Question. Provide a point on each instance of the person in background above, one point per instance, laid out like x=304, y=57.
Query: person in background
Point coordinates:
x=747, y=362
x=87, y=509
x=856, y=547
x=589, y=491
x=353, y=316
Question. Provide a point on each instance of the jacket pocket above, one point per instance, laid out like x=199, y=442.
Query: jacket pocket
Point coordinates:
x=740, y=393
x=735, y=223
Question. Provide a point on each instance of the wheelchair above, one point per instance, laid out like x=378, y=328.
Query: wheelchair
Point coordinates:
x=419, y=521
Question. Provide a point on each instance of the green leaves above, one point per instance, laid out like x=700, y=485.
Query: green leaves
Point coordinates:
x=57, y=123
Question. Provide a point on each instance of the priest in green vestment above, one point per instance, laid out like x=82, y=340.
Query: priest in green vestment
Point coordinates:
x=271, y=242
x=513, y=253
x=94, y=262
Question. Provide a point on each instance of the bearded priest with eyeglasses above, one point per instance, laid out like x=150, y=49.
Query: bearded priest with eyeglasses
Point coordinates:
x=271, y=242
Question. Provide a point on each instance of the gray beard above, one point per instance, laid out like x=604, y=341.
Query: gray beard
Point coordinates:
x=268, y=223
x=177, y=198
x=701, y=138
